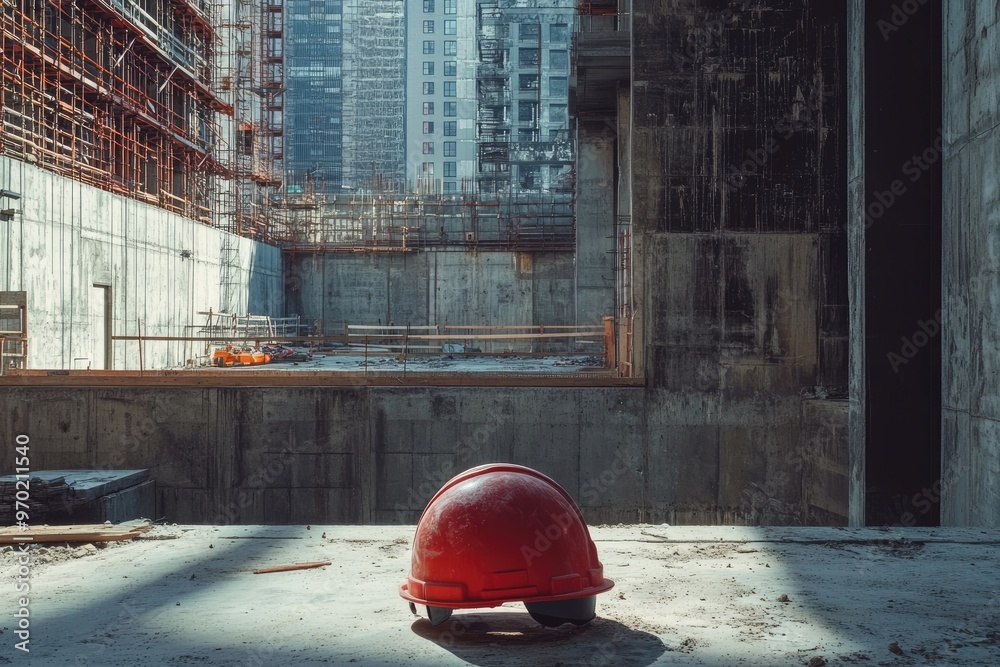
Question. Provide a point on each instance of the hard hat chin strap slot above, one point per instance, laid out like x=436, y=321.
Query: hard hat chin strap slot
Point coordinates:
x=438, y=615
x=553, y=614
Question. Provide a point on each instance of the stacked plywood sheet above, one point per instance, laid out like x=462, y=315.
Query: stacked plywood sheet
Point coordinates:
x=75, y=496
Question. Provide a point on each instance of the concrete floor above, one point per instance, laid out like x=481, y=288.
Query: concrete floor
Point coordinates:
x=701, y=596
x=444, y=363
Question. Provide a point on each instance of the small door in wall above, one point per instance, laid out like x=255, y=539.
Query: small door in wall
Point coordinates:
x=100, y=327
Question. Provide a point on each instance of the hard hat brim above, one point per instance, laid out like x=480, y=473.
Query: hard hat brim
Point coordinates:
x=605, y=586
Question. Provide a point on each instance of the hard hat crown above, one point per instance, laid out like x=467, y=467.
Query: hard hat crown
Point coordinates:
x=500, y=533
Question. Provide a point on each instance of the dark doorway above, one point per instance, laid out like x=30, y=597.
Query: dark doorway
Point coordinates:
x=902, y=167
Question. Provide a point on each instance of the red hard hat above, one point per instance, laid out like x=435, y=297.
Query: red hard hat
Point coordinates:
x=504, y=533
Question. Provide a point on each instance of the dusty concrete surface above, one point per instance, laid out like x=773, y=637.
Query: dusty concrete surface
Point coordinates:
x=382, y=361
x=705, y=596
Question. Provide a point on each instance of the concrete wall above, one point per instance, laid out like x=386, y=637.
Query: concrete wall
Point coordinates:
x=426, y=288
x=971, y=294
x=595, y=219
x=738, y=194
x=377, y=455
x=68, y=236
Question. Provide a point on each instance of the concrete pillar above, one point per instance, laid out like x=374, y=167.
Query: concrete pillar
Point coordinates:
x=970, y=482
x=856, y=255
x=595, y=211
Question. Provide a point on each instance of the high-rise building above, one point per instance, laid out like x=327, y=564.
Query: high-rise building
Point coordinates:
x=315, y=95
x=440, y=103
x=374, y=94
x=487, y=95
x=344, y=112
x=524, y=139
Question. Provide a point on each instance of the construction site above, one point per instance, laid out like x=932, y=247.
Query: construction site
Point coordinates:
x=280, y=277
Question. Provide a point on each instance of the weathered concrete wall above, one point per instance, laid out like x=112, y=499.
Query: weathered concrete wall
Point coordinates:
x=69, y=236
x=377, y=455
x=426, y=288
x=595, y=219
x=856, y=256
x=971, y=283
x=739, y=179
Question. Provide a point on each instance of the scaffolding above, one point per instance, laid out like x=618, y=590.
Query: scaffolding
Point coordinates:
x=250, y=77
x=116, y=95
x=13, y=331
x=157, y=101
x=398, y=223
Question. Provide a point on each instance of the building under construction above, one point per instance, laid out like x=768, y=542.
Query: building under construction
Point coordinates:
x=170, y=103
x=118, y=95
x=141, y=136
x=789, y=206
x=523, y=130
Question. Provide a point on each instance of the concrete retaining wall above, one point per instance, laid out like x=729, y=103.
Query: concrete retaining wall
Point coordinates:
x=377, y=455
x=426, y=288
x=160, y=270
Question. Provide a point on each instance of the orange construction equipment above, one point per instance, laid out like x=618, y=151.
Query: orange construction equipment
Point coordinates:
x=234, y=356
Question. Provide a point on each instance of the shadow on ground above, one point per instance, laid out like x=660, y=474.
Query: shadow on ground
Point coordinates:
x=478, y=638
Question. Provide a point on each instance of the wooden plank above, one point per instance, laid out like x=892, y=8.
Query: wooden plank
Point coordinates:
x=78, y=533
x=377, y=327
x=511, y=336
x=507, y=327
x=291, y=567
x=529, y=336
